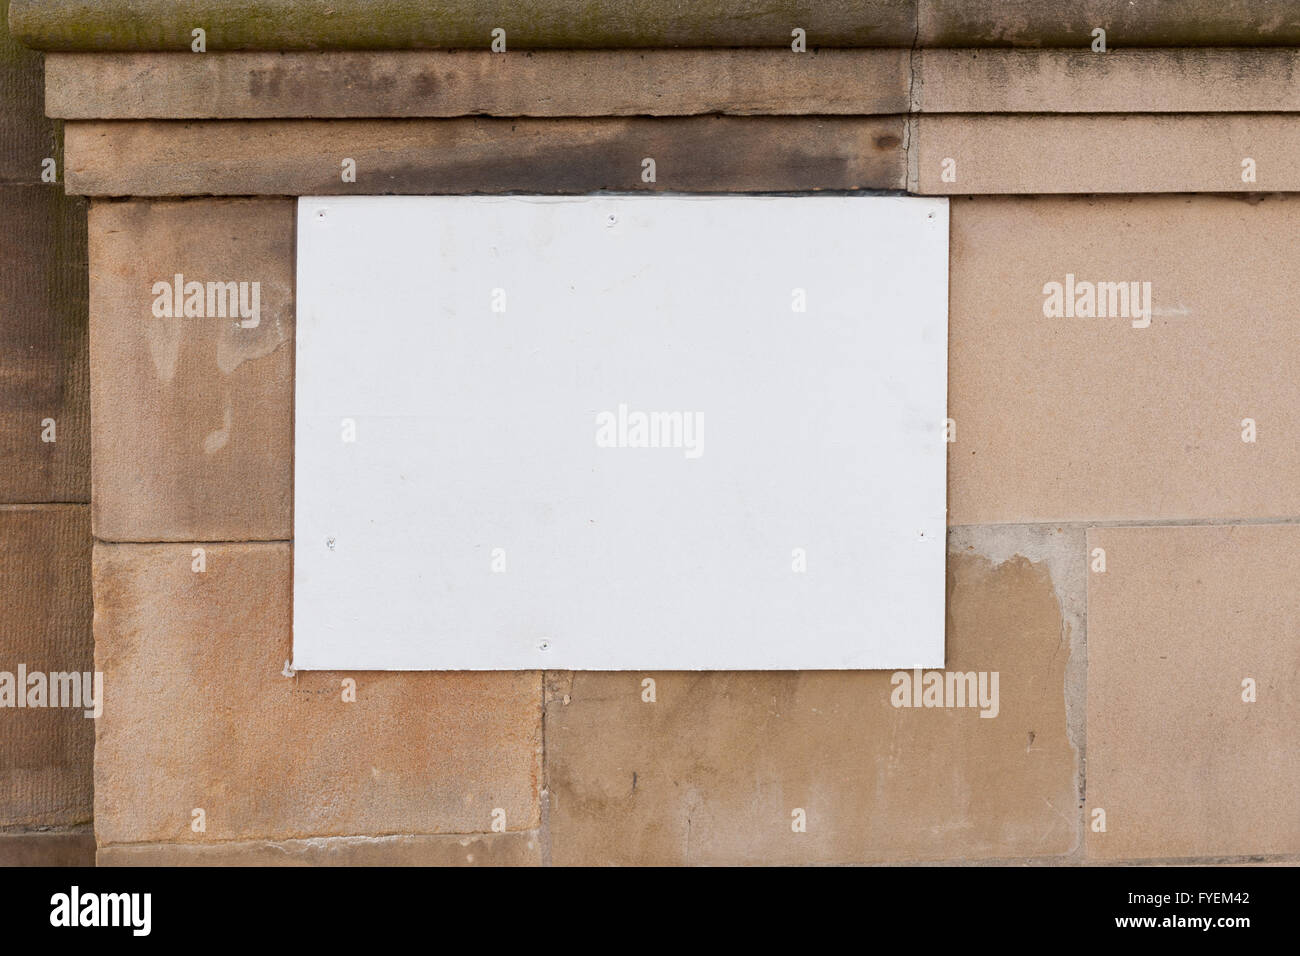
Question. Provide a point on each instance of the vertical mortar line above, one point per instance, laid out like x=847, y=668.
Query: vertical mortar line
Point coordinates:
x=1081, y=711
x=911, y=123
x=544, y=834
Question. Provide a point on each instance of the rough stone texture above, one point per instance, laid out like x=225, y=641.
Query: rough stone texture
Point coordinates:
x=1181, y=765
x=711, y=772
x=466, y=83
x=370, y=84
x=1048, y=81
x=1090, y=419
x=193, y=436
x=304, y=157
x=48, y=848
x=45, y=753
x=1069, y=23
x=199, y=715
x=570, y=24
x=43, y=340
x=1105, y=154
x=397, y=24
x=26, y=136
x=483, y=849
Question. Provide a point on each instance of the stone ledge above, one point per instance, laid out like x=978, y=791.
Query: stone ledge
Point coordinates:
x=435, y=84
x=432, y=83
x=580, y=24
x=471, y=155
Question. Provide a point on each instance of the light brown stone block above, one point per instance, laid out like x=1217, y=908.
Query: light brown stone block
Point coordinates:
x=432, y=83
x=44, y=382
x=521, y=848
x=45, y=752
x=1080, y=81
x=1105, y=153
x=475, y=82
x=198, y=715
x=193, y=415
x=436, y=156
x=1091, y=419
x=712, y=771
x=1181, y=764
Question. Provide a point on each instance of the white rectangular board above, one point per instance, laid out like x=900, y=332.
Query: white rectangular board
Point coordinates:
x=478, y=379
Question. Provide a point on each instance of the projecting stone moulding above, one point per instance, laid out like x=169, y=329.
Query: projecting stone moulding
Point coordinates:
x=582, y=24
x=372, y=84
x=485, y=155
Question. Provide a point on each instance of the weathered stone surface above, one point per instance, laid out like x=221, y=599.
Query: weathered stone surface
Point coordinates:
x=45, y=752
x=712, y=771
x=1069, y=23
x=48, y=848
x=305, y=157
x=574, y=24
x=43, y=376
x=1091, y=419
x=1104, y=154
x=1057, y=81
x=1181, y=764
x=466, y=83
x=198, y=715
x=521, y=848
x=26, y=136
x=193, y=436
x=432, y=83
x=399, y=24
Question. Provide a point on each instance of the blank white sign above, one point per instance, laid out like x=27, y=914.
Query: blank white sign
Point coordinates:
x=620, y=432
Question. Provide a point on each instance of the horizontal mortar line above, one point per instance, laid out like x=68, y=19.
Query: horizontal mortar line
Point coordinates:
x=1197, y=860
x=276, y=841
x=584, y=119
x=1138, y=523
x=99, y=540
x=190, y=197
x=662, y=118
x=799, y=194
x=1082, y=861
x=44, y=504
x=497, y=193
x=1056, y=860
x=37, y=829
x=1132, y=523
